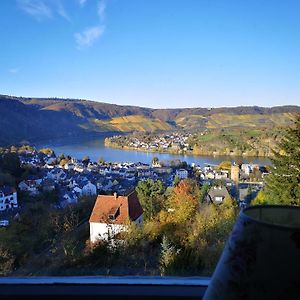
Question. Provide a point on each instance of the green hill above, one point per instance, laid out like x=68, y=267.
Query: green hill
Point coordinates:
x=34, y=119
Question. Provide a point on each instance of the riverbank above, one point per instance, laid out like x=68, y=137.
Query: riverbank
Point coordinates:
x=199, y=152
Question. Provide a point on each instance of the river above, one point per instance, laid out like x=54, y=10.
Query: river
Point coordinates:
x=95, y=149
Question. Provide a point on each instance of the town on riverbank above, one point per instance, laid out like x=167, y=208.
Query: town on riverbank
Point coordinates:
x=69, y=179
x=242, y=142
x=79, y=216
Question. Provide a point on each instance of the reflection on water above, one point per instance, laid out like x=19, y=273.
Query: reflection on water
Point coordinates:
x=95, y=149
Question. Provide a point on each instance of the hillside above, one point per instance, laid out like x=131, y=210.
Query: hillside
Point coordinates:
x=34, y=119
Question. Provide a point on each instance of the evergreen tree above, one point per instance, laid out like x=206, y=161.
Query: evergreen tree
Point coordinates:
x=150, y=194
x=283, y=184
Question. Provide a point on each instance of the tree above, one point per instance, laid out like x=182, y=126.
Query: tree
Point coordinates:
x=101, y=161
x=62, y=156
x=150, y=194
x=47, y=151
x=225, y=165
x=203, y=192
x=6, y=261
x=155, y=160
x=283, y=184
x=259, y=199
x=86, y=160
x=10, y=163
x=167, y=256
x=184, y=201
x=176, y=180
x=6, y=179
x=63, y=162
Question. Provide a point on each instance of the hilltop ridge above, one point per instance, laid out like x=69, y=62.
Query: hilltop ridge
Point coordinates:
x=33, y=119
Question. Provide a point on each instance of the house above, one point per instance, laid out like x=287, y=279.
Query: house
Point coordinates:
x=79, y=167
x=246, y=168
x=8, y=198
x=163, y=170
x=50, y=160
x=111, y=214
x=68, y=198
x=103, y=170
x=56, y=174
x=221, y=174
x=107, y=184
x=217, y=194
x=48, y=185
x=182, y=173
x=144, y=173
x=30, y=186
x=78, y=191
x=69, y=166
x=89, y=189
x=210, y=175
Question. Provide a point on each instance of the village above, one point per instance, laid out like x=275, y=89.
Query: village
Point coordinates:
x=172, y=142
x=73, y=178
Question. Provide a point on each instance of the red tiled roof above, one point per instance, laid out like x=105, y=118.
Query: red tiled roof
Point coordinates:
x=123, y=207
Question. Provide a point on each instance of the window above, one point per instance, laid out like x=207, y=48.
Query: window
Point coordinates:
x=180, y=98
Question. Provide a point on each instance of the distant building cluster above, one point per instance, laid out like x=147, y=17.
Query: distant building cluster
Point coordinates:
x=175, y=141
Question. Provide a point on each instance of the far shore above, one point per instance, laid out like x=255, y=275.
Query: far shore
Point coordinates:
x=128, y=148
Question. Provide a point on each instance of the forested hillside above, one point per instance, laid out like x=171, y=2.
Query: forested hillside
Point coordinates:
x=31, y=119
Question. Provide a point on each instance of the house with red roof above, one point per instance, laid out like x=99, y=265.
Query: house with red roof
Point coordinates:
x=112, y=213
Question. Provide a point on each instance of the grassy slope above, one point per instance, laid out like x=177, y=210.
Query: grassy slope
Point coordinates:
x=222, y=120
x=236, y=141
x=137, y=123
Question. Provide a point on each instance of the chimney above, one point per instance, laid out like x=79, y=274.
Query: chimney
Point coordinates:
x=115, y=195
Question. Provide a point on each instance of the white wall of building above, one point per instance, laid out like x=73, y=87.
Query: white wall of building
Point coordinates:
x=182, y=173
x=102, y=231
x=9, y=201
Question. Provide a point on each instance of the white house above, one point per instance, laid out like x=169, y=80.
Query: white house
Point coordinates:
x=246, y=168
x=8, y=198
x=79, y=167
x=221, y=174
x=182, y=173
x=111, y=215
x=69, y=166
x=89, y=189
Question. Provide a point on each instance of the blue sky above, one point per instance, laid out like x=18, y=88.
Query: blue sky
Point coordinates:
x=154, y=53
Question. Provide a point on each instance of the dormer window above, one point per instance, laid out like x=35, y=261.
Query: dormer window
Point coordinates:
x=111, y=217
x=113, y=214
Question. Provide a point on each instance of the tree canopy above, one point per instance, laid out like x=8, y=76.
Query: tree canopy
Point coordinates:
x=283, y=184
x=150, y=194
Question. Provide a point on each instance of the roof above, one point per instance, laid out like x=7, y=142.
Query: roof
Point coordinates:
x=7, y=190
x=218, y=191
x=128, y=208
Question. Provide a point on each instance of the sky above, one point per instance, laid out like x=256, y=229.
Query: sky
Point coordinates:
x=152, y=53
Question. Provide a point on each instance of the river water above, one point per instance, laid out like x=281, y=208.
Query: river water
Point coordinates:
x=95, y=149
